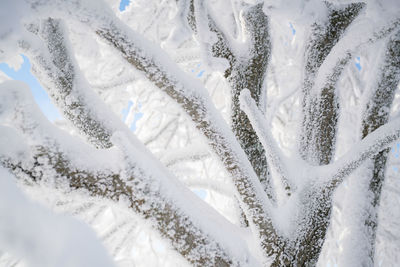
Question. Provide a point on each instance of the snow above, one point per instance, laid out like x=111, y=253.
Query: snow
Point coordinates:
x=41, y=237
x=3, y=77
x=12, y=144
x=10, y=29
x=167, y=158
x=298, y=11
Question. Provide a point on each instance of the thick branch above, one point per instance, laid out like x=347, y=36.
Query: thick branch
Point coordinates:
x=316, y=209
x=377, y=133
x=376, y=115
x=59, y=74
x=318, y=113
x=316, y=195
x=172, y=223
x=248, y=73
x=64, y=160
x=320, y=109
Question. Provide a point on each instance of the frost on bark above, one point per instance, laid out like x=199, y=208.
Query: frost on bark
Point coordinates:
x=60, y=81
x=377, y=114
x=320, y=111
x=249, y=74
x=185, y=236
x=320, y=105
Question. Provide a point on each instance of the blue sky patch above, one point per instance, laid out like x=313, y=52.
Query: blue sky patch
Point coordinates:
x=200, y=74
x=198, y=71
x=137, y=116
x=396, y=150
x=40, y=95
x=358, y=63
x=293, y=29
x=201, y=193
x=123, y=4
x=126, y=110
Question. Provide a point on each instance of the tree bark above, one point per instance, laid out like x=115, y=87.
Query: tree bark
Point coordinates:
x=377, y=114
x=169, y=220
x=320, y=105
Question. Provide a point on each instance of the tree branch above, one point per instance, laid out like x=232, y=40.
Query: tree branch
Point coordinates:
x=173, y=223
x=242, y=73
x=376, y=115
x=274, y=155
x=371, y=145
x=195, y=230
x=60, y=75
x=249, y=74
x=320, y=109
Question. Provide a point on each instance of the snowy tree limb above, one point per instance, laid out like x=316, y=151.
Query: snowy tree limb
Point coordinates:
x=185, y=236
x=376, y=114
x=248, y=72
x=372, y=144
x=59, y=73
x=19, y=237
x=274, y=155
x=326, y=74
x=293, y=231
x=317, y=192
x=320, y=110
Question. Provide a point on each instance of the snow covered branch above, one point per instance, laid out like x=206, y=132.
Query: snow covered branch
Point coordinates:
x=59, y=73
x=376, y=114
x=320, y=106
x=372, y=144
x=376, y=132
x=183, y=230
x=276, y=159
x=247, y=72
x=242, y=72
